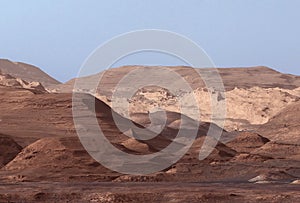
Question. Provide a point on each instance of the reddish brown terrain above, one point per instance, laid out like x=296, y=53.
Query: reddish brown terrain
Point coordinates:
x=26, y=72
x=42, y=159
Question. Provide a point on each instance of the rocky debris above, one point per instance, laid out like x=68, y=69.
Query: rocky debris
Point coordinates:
x=296, y=182
x=272, y=176
x=10, y=81
x=272, y=91
x=242, y=111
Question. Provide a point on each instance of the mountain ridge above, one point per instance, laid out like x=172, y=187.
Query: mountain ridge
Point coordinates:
x=247, y=77
x=27, y=72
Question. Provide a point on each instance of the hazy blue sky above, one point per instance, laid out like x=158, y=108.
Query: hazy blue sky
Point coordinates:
x=58, y=35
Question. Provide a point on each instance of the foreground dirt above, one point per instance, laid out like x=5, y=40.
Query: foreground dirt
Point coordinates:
x=148, y=192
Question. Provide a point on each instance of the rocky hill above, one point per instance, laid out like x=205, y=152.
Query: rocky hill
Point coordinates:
x=26, y=72
x=259, y=76
x=253, y=95
x=10, y=81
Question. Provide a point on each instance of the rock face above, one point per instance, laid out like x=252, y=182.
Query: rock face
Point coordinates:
x=270, y=177
x=253, y=95
x=245, y=108
x=9, y=81
x=26, y=72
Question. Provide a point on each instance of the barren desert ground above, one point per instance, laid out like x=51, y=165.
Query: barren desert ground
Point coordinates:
x=256, y=159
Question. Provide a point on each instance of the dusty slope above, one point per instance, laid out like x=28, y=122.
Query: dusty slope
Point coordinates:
x=27, y=116
x=285, y=126
x=26, y=72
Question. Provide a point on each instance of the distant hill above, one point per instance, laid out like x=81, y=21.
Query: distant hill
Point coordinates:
x=26, y=72
x=248, y=77
x=271, y=89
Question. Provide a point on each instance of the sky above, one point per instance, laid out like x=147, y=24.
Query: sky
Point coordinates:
x=59, y=35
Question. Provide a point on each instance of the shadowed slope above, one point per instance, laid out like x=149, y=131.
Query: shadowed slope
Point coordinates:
x=8, y=149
